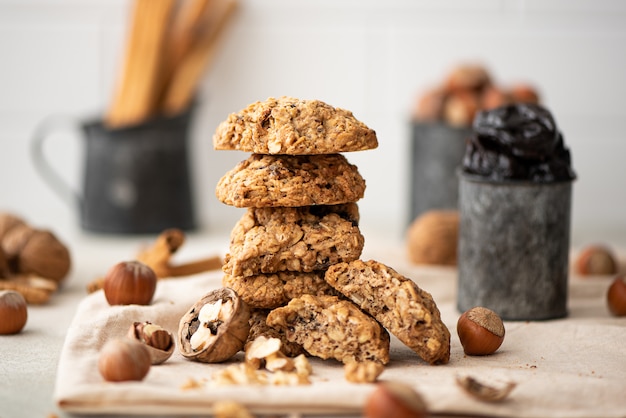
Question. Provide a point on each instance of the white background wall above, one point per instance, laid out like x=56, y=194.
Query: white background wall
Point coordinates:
x=370, y=56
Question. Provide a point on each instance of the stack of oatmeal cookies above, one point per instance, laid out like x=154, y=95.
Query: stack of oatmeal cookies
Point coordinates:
x=296, y=246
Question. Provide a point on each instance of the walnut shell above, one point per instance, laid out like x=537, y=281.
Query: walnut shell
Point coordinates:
x=7, y=222
x=4, y=265
x=230, y=334
x=432, y=238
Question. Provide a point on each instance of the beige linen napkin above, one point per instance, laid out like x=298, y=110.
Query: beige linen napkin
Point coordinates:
x=573, y=367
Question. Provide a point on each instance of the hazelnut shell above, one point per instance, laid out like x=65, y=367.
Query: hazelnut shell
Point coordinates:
x=8, y=222
x=231, y=334
x=13, y=312
x=157, y=355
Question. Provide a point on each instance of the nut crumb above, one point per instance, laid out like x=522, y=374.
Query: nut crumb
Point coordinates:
x=363, y=372
x=230, y=409
x=191, y=384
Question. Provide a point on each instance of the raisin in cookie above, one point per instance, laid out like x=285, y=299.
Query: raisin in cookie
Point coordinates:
x=305, y=239
x=282, y=180
x=407, y=311
x=258, y=327
x=271, y=291
x=329, y=327
x=292, y=126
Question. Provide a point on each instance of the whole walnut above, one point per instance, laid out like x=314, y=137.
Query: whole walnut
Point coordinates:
x=32, y=251
x=4, y=265
x=432, y=238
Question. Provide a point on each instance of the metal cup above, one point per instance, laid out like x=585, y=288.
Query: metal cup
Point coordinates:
x=513, y=253
x=136, y=179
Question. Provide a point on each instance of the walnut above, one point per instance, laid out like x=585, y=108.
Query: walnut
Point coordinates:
x=432, y=238
x=33, y=251
x=215, y=328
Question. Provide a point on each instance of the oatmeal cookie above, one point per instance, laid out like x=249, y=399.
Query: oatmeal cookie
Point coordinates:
x=304, y=239
x=282, y=180
x=407, y=311
x=258, y=327
x=271, y=291
x=329, y=327
x=292, y=126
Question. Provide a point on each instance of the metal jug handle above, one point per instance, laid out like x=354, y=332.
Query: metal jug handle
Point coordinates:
x=42, y=165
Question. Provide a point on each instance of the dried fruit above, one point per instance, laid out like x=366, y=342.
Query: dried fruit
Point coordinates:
x=159, y=342
x=616, y=296
x=13, y=312
x=596, y=260
x=129, y=282
x=123, y=359
x=394, y=399
x=481, y=331
x=215, y=328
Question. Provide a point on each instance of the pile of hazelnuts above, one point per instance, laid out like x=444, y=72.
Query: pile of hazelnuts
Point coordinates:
x=467, y=89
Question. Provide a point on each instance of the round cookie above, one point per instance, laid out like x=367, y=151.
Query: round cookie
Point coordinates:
x=304, y=239
x=290, y=181
x=269, y=291
x=287, y=125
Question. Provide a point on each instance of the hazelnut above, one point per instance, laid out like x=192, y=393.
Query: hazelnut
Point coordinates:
x=616, y=296
x=215, y=328
x=468, y=76
x=596, y=260
x=394, y=399
x=159, y=342
x=129, y=282
x=524, y=93
x=481, y=331
x=123, y=359
x=13, y=312
x=460, y=108
x=493, y=97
